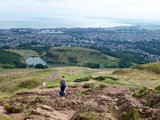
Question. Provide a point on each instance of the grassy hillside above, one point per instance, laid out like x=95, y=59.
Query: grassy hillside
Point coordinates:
x=9, y=59
x=17, y=80
x=24, y=53
x=25, y=79
x=90, y=94
x=138, y=78
x=80, y=56
x=150, y=67
x=40, y=49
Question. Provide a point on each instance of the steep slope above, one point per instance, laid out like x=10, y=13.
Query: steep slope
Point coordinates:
x=80, y=56
x=150, y=67
x=106, y=95
x=80, y=103
x=25, y=79
x=9, y=59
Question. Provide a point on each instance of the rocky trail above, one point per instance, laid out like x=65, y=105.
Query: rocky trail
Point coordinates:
x=82, y=102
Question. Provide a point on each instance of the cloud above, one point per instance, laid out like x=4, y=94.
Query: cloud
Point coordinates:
x=124, y=9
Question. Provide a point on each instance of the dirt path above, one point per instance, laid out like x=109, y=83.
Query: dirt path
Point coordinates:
x=71, y=95
x=2, y=110
x=47, y=104
x=48, y=79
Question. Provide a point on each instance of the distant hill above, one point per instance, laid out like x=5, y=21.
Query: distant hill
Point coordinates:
x=80, y=56
x=9, y=59
x=150, y=67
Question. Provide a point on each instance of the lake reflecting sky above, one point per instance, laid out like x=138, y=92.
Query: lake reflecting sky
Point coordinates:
x=35, y=60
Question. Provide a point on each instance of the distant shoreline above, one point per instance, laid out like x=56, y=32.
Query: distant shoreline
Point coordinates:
x=50, y=24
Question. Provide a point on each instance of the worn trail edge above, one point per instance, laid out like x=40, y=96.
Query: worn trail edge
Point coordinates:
x=97, y=102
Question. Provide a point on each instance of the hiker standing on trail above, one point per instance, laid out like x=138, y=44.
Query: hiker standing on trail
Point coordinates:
x=62, y=86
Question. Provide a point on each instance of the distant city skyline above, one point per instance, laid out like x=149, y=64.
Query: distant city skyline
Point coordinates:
x=76, y=13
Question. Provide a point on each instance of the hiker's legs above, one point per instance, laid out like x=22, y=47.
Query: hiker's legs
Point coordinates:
x=62, y=91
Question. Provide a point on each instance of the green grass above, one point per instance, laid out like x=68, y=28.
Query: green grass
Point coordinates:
x=80, y=57
x=19, y=80
x=142, y=92
x=71, y=74
x=4, y=95
x=121, y=82
x=150, y=67
x=28, y=84
x=82, y=79
x=9, y=59
x=13, y=109
x=138, y=78
x=86, y=116
x=24, y=53
x=14, y=80
x=132, y=114
x=100, y=78
x=2, y=117
x=53, y=83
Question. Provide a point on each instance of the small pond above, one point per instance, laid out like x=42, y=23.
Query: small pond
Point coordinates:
x=35, y=60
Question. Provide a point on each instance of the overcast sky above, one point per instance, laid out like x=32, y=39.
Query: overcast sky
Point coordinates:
x=66, y=11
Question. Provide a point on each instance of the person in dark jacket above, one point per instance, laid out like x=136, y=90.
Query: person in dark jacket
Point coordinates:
x=62, y=86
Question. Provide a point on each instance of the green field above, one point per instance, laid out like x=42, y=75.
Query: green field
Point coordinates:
x=80, y=57
x=24, y=53
x=17, y=80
